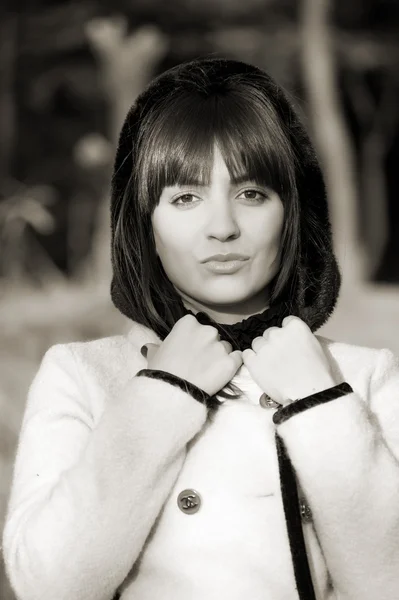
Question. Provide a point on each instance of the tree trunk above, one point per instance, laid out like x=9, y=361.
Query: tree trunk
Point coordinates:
x=331, y=136
x=126, y=63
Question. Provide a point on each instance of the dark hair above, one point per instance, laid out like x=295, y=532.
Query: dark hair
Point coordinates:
x=175, y=146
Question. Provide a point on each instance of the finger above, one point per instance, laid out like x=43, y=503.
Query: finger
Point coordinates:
x=258, y=343
x=237, y=358
x=227, y=345
x=248, y=355
x=268, y=331
x=289, y=319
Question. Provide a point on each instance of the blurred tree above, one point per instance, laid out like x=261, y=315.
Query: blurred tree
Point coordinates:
x=127, y=62
x=331, y=135
x=378, y=116
x=22, y=212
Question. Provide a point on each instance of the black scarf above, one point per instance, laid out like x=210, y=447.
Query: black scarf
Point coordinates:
x=241, y=334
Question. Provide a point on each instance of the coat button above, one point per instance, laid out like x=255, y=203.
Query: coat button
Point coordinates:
x=266, y=402
x=189, y=501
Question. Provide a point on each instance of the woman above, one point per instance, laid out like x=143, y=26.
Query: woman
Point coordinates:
x=139, y=474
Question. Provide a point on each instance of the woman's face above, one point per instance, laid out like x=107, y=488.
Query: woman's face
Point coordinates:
x=191, y=223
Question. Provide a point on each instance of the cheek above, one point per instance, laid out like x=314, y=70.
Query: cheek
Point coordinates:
x=171, y=240
x=170, y=245
x=269, y=231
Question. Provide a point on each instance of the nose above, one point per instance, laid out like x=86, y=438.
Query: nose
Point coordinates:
x=222, y=223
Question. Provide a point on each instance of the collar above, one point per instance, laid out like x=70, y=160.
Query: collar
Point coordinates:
x=241, y=334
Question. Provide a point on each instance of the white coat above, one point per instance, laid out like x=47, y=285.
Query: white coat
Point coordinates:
x=103, y=456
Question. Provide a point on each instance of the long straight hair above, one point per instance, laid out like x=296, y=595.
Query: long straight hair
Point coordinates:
x=175, y=147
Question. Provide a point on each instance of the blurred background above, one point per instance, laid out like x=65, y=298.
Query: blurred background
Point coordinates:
x=69, y=70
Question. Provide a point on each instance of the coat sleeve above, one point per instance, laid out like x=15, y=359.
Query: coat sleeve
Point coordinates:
x=346, y=457
x=84, y=497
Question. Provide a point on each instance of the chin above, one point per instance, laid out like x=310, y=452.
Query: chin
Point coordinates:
x=225, y=297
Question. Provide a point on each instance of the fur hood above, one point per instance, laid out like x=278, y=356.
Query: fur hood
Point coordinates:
x=317, y=282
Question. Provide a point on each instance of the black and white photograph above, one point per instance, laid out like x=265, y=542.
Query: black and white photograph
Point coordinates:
x=199, y=300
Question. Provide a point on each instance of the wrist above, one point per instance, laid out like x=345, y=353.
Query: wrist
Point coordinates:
x=299, y=405
x=318, y=384
x=190, y=388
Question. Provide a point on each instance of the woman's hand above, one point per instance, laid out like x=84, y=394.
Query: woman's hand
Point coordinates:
x=288, y=362
x=195, y=353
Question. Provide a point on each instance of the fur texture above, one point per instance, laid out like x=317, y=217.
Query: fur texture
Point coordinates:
x=103, y=455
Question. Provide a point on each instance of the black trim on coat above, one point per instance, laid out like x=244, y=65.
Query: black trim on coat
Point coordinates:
x=291, y=505
x=188, y=387
x=289, y=410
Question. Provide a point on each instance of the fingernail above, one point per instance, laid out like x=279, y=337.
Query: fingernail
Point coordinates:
x=144, y=351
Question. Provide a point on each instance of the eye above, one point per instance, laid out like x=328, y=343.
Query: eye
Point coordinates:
x=253, y=195
x=185, y=198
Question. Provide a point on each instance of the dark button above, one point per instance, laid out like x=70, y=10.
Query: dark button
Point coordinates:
x=306, y=513
x=266, y=402
x=189, y=501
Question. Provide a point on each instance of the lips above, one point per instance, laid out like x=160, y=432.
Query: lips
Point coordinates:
x=225, y=267
x=226, y=257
